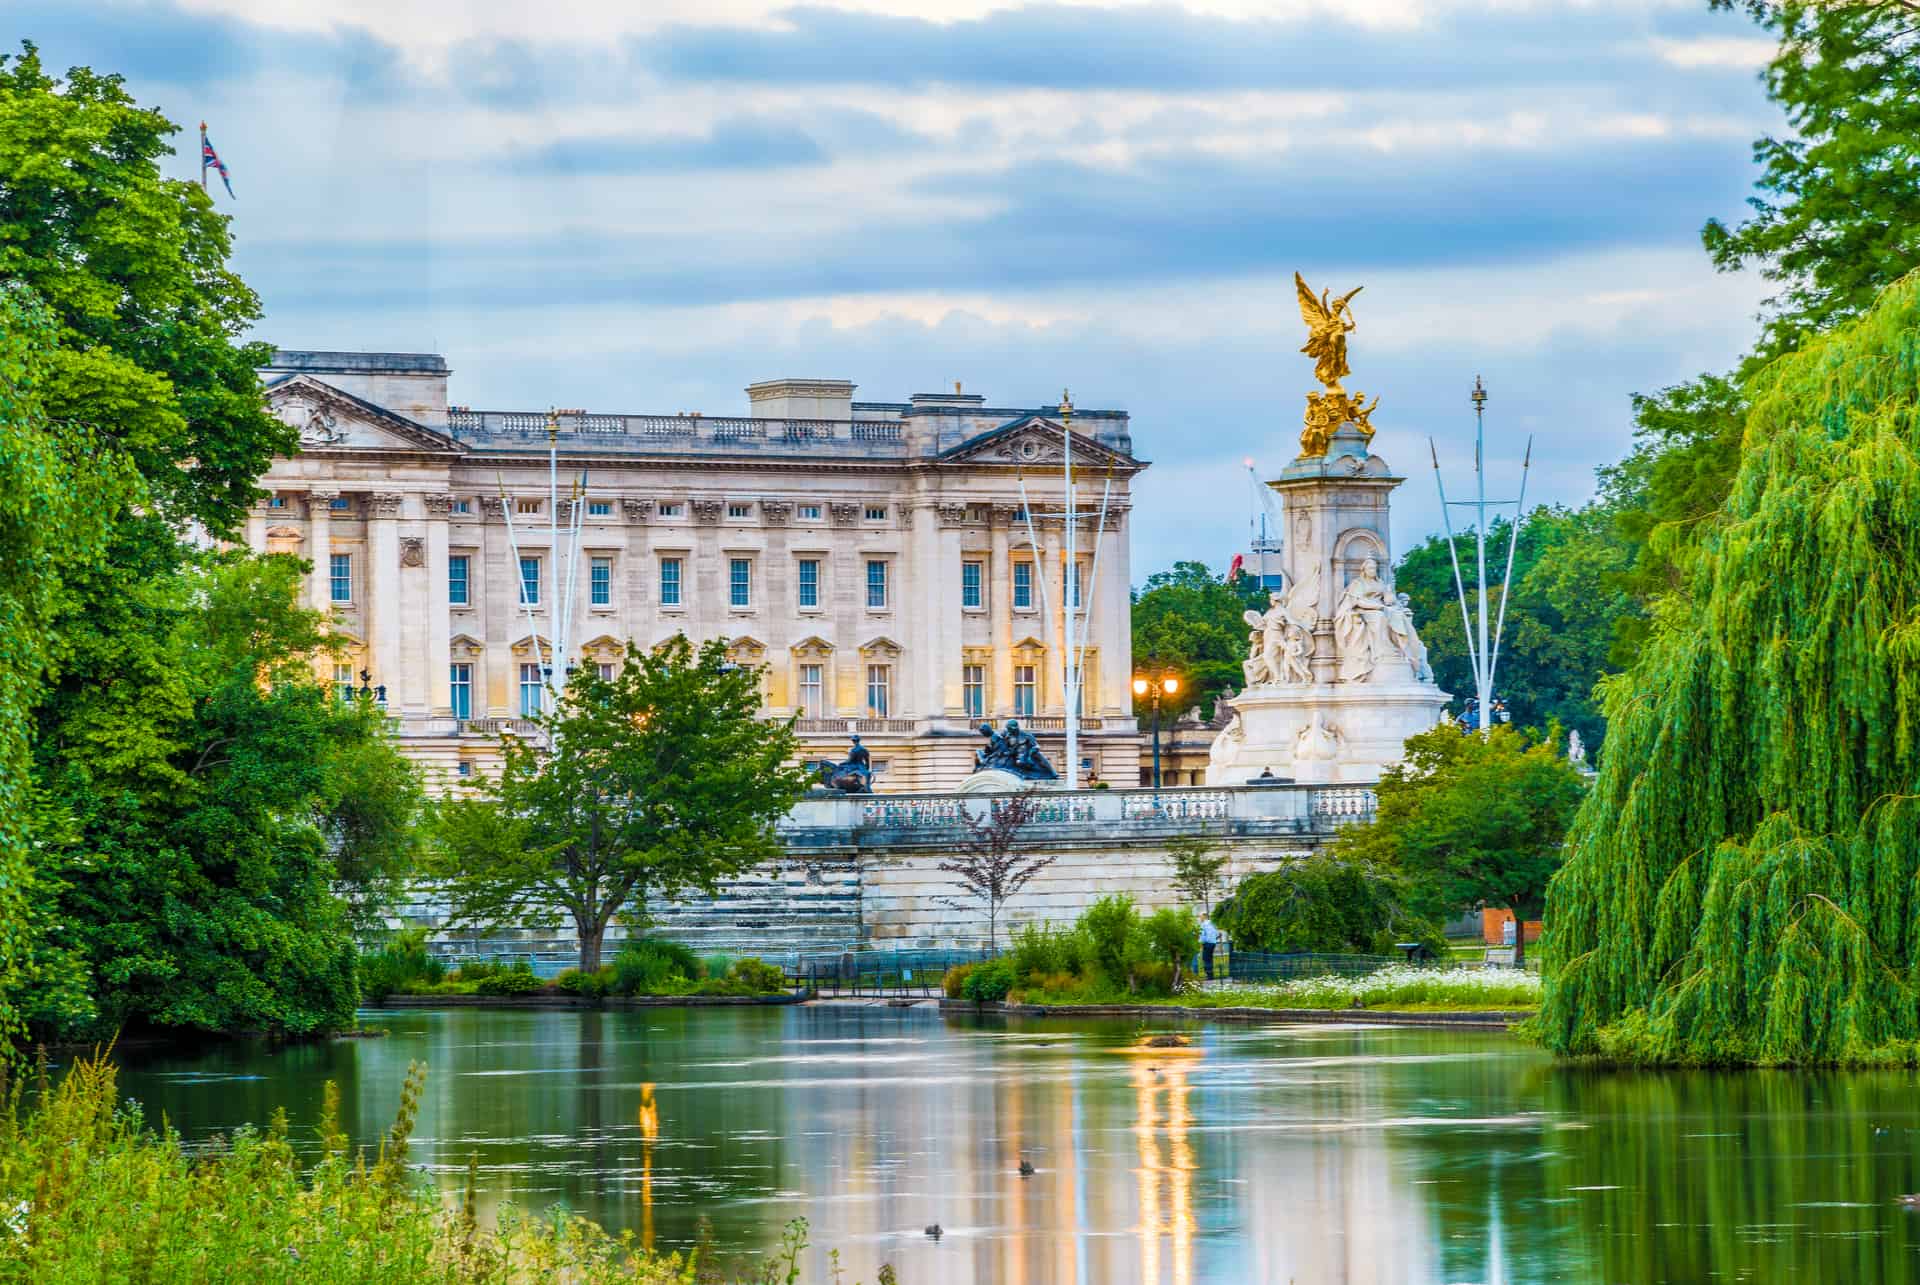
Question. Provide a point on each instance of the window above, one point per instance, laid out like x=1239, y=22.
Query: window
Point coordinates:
x=458, y=593
x=463, y=506
x=343, y=682
x=876, y=513
x=340, y=577
x=1073, y=586
x=1023, y=586
x=600, y=582
x=460, y=676
x=599, y=508
x=277, y=502
x=813, y=691
x=530, y=686
x=879, y=678
x=340, y=504
x=607, y=668
x=739, y=510
x=740, y=582
x=809, y=513
x=465, y=768
x=809, y=582
x=672, y=510
x=669, y=582
x=876, y=585
x=526, y=506
x=1023, y=689
x=973, y=688
x=970, y=584
x=530, y=582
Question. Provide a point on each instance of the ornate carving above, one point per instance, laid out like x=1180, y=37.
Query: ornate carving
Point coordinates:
x=1329, y=322
x=776, y=512
x=1030, y=448
x=316, y=423
x=708, y=511
x=384, y=504
x=439, y=506
x=1280, y=640
x=845, y=513
x=563, y=511
x=1005, y=514
x=320, y=501
x=1319, y=740
x=953, y=514
x=637, y=510
x=1374, y=628
x=413, y=551
x=493, y=506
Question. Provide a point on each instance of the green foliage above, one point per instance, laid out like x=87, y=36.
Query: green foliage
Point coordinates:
x=97, y=1195
x=1189, y=621
x=1566, y=608
x=1111, y=926
x=988, y=982
x=649, y=966
x=753, y=976
x=518, y=979
x=953, y=984
x=401, y=964
x=1172, y=937
x=660, y=780
x=1741, y=882
x=1469, y=820
x=1199, y=864
x=1326, y=904
x=591, y=985
x=1041, y=950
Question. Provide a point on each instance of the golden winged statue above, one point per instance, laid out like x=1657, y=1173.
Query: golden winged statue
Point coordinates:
x=1329, y=322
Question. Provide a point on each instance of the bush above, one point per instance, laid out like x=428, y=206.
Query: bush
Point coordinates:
x=756, y=976
x=649, y=966
x=517, y=980
x=593, y=985
x=954, y=984
x=988, y=982
x=1111, y=925
x=475, y=970
x=1152, y=979
x=1173, y=938
x=402, y=964
x=1041, y=949
x=1325, y=903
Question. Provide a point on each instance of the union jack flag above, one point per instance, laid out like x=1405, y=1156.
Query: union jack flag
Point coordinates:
x=211, y=158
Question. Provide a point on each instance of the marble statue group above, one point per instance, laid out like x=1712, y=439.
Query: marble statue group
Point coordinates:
x=1372, y=629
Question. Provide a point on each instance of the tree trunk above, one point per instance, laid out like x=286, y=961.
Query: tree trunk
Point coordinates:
x=591, y=935
x=1519, y=935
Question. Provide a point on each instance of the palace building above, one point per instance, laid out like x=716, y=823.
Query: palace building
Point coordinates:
x=875, y=560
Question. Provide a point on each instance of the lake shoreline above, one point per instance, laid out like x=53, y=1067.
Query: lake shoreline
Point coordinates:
x=1485, y=1019
x=587, y=1002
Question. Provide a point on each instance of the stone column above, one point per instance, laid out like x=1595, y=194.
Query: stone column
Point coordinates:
x=945, y=656
x=778, y=607
x=928, y=594
x=639, y=608
x=320, y=544
x=256, y=531
x=499, y=600
x=1113, y=615
x=1000, y=610
x=385, y=603
x=439, y=611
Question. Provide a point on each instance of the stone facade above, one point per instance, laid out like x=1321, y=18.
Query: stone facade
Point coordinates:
x=873, y=559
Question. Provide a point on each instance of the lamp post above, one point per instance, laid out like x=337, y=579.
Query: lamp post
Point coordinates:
x=1157, y=685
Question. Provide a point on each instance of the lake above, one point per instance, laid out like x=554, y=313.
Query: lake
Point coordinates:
x=1261, y=1153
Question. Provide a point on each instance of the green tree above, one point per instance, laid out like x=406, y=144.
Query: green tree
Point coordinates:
x=658, y=781
x=1741, y=883
x=1471, y=821
x=1199, y=865
x=1189, y=620
x=204, y=812
x=1326, y=903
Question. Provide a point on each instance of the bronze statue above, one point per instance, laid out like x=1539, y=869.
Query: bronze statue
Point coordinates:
x=1013, y=750
x=855, y=776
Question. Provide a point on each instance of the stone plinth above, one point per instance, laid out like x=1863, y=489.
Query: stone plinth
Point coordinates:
x=995, y=781
x=1363, y=727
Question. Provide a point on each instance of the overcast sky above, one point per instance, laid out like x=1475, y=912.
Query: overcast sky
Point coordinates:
x=647, y=206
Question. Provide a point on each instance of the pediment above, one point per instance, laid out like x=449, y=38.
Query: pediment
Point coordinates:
x=881, y=646
x=331, y=420
x=1034, y=442
x=812, y=645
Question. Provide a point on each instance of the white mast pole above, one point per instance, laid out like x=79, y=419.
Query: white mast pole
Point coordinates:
x=1070, y=584
x=1483, y=678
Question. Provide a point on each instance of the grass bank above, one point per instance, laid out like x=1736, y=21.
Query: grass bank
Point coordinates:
x=91, y=1191
x=1399, y=989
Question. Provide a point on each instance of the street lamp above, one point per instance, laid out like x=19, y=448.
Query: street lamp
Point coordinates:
x=369, y=691
x=1159, y=684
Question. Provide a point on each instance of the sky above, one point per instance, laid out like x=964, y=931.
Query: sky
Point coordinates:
x=644, y=207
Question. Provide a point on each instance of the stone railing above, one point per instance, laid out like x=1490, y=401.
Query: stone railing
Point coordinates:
x=654, y=431
x=1253, y=810
x=844, y=726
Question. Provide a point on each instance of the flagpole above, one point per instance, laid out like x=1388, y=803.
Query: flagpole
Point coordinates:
x=203, y=156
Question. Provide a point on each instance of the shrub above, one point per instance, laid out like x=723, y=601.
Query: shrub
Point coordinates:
x=404, y=962
x=1041, y=949
x=1173, y=938
x=988, y=982
x=475, y=970
x=649, y=966
x=756, y=976
x=517, y=980
x=1111, y=925
x=1325, y=903
x=1152, y=979
x=955, y=982
x=593, y=985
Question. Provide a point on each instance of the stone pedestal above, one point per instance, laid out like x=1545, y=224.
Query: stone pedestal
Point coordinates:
x=1337, y=675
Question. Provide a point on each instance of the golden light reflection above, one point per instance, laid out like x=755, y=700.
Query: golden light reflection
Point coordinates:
x=1161, y=1130
x=649, y=1131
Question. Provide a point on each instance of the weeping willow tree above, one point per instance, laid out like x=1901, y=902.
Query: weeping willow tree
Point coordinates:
x=1741, y=883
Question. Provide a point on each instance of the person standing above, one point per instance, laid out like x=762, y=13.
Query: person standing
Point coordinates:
x=1209, y=938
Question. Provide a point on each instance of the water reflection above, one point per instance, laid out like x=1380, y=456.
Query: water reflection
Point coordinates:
x=1263, y=1154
